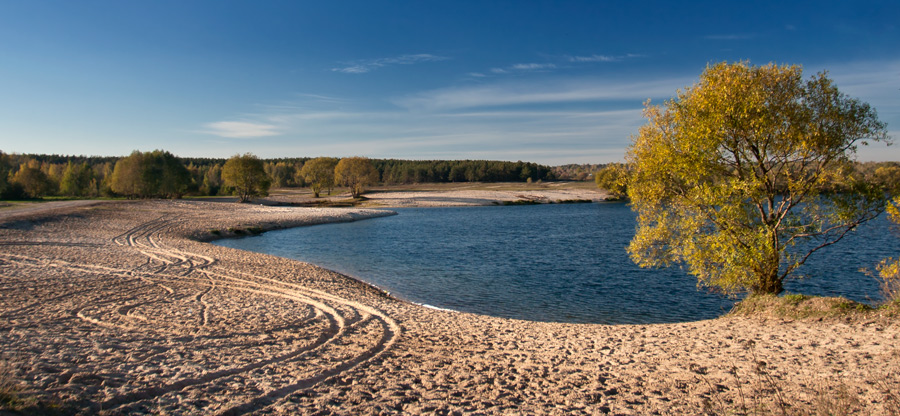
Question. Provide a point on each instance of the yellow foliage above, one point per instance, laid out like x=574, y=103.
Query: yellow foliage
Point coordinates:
x=355, y=173
x=889, y=268
x=725, y=176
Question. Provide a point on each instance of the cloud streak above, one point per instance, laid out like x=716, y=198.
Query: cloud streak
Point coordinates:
x=533, y=67
x=563, y=63
x=602, y=58
x=731, y=36
x=552, y=120
x=565, y=91
x=364, y=66
x=241, y=129
x=595, y=58
x=547, y=136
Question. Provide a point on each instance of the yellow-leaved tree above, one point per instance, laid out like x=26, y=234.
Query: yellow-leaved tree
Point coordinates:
x=728, y=177
x=889, y=269
x=246, y=175
x=355, y=173
x=319, y=173
x=614, y=179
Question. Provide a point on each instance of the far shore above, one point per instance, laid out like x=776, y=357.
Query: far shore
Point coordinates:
x=117, y=307
x=451, y=194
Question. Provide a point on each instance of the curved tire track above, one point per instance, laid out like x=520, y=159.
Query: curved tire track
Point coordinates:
x=146, y=238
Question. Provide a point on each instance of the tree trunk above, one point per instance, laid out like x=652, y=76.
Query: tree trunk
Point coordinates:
x=769, y=284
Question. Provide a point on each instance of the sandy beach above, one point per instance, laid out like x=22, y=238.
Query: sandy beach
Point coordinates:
x=454, y=195
x=122, y=308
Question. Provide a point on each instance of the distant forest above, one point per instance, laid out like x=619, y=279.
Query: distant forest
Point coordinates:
x=34, y=176
x=24, y=176
x=573, y=172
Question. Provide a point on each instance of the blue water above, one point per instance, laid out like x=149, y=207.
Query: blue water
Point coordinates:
x=562, y=263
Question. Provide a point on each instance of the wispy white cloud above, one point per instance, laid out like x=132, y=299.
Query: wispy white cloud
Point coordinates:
x=354, y=69
x=552, y=137
x=364, y=66
x=562, y=63
x=532, y=113
x=877, y=84
x=532, y=67
x=602, y=58
x=322, y=98
x=555, y=92
x=552, y=120
x=595, y=58
x=545, y=136
x=874, y=80
x=523, y=67
x=731, y=36
x=241, y=129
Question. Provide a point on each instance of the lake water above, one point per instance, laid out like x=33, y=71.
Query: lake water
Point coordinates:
x=562, y=263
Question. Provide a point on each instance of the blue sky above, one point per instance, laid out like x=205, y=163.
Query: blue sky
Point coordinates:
x=546, y=81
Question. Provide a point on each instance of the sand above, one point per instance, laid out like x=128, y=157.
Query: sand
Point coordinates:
x=481, y=197
x=121, y=308
x=452, y=195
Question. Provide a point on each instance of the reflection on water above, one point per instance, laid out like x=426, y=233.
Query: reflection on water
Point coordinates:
x=563, y=263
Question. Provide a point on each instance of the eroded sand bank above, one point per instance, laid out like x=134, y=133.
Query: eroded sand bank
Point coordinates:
x=118, y=308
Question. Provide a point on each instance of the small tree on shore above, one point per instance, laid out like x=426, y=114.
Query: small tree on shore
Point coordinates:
x=727, y=177
x=614, y=179
x=355, y=173
x=319, y=173
x=246, y=175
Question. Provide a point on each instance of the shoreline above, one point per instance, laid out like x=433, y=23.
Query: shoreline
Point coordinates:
x=455, y=195
x=122, y=310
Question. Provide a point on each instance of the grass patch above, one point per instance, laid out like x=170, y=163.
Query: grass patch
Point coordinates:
x=9, y=390
x=573, y=201
x=252, y=230
x=520, y=202
x=330, y=203
x=14, y=400
x=797, y=306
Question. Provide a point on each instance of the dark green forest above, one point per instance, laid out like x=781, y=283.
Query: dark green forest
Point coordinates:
x=161, y=174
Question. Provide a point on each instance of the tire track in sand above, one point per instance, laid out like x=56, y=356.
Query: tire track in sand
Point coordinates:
x=335, y=349
x=146, y=238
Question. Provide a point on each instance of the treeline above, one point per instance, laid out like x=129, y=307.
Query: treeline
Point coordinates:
x=395, y=171
x=577, y=172
x=842, y=178
x=161, y=174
